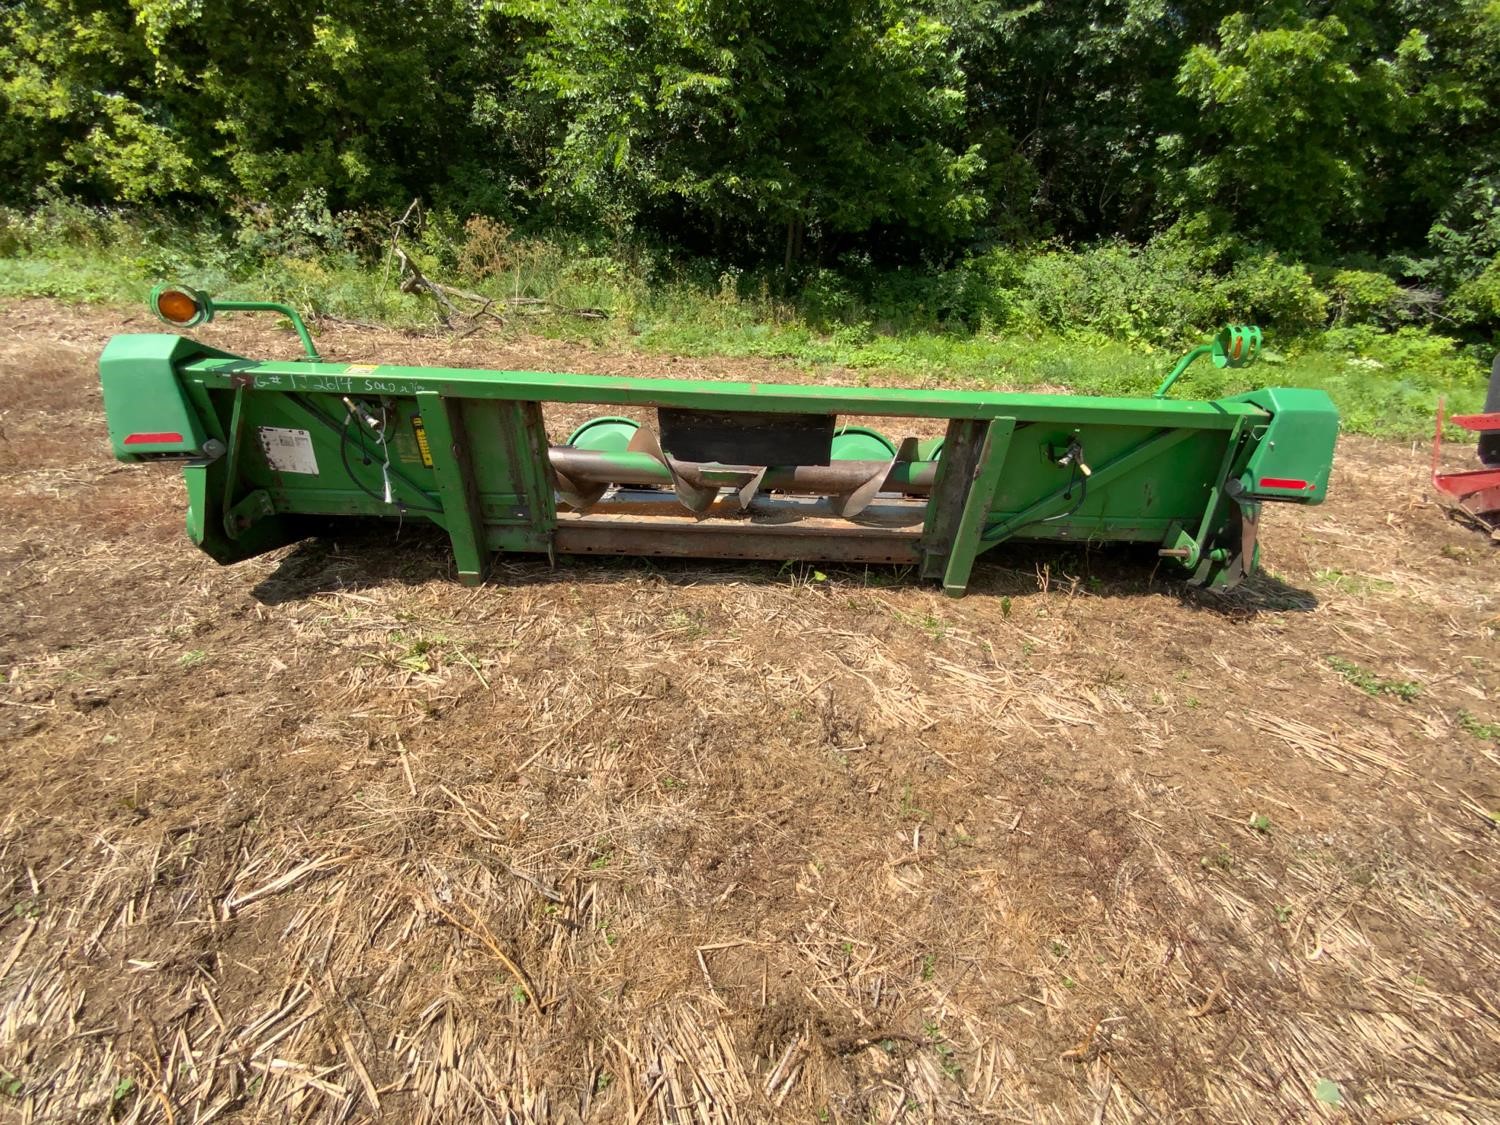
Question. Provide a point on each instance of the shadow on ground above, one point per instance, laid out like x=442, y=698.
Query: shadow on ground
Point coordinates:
x=366, y=555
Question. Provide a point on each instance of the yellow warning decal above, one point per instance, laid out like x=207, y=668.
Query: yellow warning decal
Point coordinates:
x=422, y=447
x=361, y=368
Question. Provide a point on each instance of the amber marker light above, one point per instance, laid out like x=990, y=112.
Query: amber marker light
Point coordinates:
x=183, y=307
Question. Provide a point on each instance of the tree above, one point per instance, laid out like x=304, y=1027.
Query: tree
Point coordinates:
x=1294, y=123
x=743, y=119
x=265, y=100
x=1085, y=88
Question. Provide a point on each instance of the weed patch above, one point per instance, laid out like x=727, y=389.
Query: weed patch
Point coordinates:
x=1371, y=684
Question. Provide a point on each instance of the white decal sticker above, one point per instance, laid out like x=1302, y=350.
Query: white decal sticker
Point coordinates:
x=288, y=451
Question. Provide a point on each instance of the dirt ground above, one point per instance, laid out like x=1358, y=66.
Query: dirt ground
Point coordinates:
x=326, y=836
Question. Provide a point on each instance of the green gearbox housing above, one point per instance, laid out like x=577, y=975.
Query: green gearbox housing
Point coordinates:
x=732, y=470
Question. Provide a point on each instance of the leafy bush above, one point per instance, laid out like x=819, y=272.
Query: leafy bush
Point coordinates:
x=1280, y=296
x=828, y=297
x=1361, y=295
x=1476, y=302
x=1108, y=319
x=1151, y=295
x=1466, y=235
x=1164, y=292
x=1416, y=356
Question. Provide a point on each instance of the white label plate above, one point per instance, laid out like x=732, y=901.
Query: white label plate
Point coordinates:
x=288, y=451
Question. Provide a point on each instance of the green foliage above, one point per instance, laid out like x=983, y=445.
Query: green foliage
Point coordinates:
x=846, y=115
x=1477, y=727
x=1288, y=107
x=849, y=136
x=159, y=99
x=1362, y=295
x=1138, y=294
x=122, y=1093
x=1371, y=684
x=1104, y=320
x=1476, y=301
x=1164, y=292
x=1466, y=235
x=1328, y=1092
x=1262, y=289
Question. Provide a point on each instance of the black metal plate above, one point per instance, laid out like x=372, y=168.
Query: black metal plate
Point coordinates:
x=746, y=437
x=1489, y=444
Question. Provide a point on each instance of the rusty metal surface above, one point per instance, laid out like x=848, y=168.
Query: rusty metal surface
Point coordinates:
x=885, y=513
x=955, y=476
x=696, y=496
x=580, y=497
x=584, y=465
x=592, y=535
x=1242, y=561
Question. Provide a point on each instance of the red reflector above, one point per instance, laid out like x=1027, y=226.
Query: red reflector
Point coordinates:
x=1283, y=482
x=151, y=439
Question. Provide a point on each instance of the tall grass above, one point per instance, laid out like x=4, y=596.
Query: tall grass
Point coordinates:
x=1103, y=321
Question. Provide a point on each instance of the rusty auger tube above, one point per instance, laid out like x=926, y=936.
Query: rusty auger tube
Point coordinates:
x=586, y=466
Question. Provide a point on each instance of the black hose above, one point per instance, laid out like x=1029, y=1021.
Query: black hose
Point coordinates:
x=1083, y=494
x=365, y=450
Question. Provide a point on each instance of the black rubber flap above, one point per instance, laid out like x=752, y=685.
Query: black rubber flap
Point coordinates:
x=1489, y=444
x=745, y=437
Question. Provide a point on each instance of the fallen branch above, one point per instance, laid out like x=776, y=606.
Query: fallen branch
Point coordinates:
x=411, y=279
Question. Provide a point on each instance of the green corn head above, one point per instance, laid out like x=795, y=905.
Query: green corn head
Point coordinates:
x=732, y=470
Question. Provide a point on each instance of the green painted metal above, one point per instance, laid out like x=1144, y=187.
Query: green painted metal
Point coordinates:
x=782, y=398
x=207, y=306
x=146, y=402
x=453, y=467
x=965, y=548
x=1302, y=424
x=607, y=434
x=1238, y=345
x=269, y=444
x=861, y=443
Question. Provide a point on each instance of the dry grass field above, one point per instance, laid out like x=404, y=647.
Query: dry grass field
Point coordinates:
x=328, y=837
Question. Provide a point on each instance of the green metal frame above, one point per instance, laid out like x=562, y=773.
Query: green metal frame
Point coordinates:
x=467, y=450
x=207, y=306
x=1238, y=345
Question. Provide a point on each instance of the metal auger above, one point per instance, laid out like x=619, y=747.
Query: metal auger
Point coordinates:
x=613, y=452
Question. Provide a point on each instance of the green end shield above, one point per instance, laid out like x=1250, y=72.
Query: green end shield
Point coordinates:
x=145, y=403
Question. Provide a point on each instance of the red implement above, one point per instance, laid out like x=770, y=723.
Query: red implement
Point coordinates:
x=1477, y=491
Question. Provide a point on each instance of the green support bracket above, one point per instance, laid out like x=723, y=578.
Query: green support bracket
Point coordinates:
x=955, y=475
x=451, y=463
x=232, y=461
x=206, y=518
x=1178, y=545
x=248, y=512
x=965, y=547
x=1211, y=510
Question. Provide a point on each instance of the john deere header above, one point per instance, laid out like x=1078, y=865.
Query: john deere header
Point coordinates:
x=731, y=470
